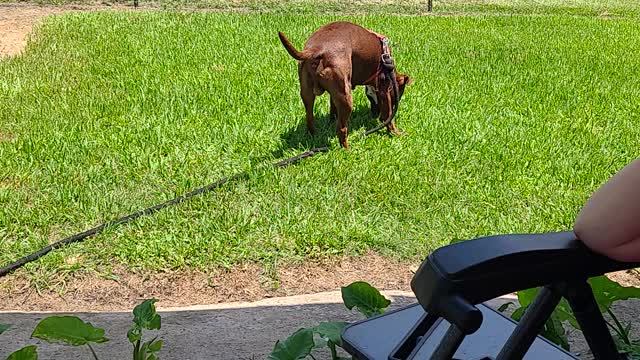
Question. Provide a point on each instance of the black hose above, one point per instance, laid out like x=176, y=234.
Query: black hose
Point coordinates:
x=83, y=235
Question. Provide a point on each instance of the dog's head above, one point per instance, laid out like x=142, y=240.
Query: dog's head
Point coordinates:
x=403, y=80
x=378, y=99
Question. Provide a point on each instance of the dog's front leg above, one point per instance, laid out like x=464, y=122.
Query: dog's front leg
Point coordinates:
x=370, y=91
x=386, y=112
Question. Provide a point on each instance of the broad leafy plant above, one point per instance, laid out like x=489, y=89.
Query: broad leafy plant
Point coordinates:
x=606, y=292
x=4, y=327
x=71, y=330
x=145, y=317
x=360, y=296
x=26, y=353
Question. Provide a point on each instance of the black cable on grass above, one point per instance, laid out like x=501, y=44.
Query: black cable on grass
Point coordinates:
x=388, y=65
x=83, y=235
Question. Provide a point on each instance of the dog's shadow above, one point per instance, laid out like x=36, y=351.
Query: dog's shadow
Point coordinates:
x=298, y=137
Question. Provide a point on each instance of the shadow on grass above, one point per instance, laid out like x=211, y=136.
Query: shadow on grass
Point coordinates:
x=299, y=138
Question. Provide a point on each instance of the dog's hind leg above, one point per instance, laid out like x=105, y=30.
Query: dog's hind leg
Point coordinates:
x=308, y=99
x=344, y=106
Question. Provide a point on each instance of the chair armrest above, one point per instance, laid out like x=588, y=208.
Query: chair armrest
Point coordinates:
x=470, y=272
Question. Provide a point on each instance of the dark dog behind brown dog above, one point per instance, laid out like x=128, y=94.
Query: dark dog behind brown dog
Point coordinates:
x=336, y=58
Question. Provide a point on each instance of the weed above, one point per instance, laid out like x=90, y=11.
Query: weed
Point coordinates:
x=71, y=330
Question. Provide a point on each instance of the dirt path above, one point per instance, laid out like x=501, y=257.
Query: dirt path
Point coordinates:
x=17, y=20
x=123, y=289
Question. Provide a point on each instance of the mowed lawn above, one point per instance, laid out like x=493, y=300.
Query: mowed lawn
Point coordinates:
x=512, y=121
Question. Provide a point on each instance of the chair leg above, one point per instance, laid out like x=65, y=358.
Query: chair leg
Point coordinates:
x=530, y=324
x=585, y=309
x=449, y=344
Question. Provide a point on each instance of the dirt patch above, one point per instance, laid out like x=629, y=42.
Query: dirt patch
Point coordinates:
x=6, y=136
x=626, y=278
x=125, y=289
x=17, y=21
x=9, y=182
x=250, y=282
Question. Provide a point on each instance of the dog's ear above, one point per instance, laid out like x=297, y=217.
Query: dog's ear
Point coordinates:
x=404, y=80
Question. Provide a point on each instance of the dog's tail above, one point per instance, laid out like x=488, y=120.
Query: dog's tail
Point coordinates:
x=298, y=55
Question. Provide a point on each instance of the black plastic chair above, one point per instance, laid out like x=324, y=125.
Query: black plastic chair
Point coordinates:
x=450, y=320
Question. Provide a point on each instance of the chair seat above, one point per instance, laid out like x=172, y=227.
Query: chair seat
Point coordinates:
x=377, y=338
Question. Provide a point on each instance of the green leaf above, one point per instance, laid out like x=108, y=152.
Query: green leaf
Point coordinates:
x=621, y=331
x=631, y=350
x=525, y=297
x=4, y=327
x=517, y=314
x=142, y=353
x=68, y=329
x=26, y=353
x=505, y=306
x=145, y=317
x=607, y=291
x=134, y=334
x=365, y=298
x=320, y=343
x=331, y=331
x=555, y=332
x=155, y=346
x=332, y=348
x=552, y=329
x=562, y=311
x=297, y=346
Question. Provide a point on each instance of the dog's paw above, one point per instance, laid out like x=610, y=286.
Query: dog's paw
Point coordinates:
x=398, y=132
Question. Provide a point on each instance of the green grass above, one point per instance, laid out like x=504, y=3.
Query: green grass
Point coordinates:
x=511, y=123
x=540, y=7
x=610, y=8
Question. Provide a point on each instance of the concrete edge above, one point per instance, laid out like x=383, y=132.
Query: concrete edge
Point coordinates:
x=328, y=297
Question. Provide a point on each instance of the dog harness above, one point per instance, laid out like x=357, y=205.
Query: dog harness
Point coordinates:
x=386, y=71
x=385, y=51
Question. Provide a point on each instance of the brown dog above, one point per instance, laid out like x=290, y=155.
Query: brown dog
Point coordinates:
x=336, y=58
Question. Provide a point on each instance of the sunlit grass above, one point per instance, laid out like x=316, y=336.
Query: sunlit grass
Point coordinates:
x=511, y=123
